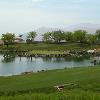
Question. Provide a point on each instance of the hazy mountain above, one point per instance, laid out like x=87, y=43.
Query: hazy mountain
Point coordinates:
x=43, y=30
x=90, y=28
x=40, y=32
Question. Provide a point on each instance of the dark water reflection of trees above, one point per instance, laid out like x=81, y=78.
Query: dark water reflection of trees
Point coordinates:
x=8, y=57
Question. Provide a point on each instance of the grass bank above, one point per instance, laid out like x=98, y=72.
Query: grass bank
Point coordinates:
x=85, y=79
x=40, y=86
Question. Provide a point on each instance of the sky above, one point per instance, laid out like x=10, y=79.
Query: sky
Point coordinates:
x=21, y=16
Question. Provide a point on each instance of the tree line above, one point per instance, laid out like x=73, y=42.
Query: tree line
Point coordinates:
x=81, y=36
x=9, y=38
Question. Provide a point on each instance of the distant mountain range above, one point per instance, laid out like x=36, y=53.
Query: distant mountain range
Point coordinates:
x=90, y=28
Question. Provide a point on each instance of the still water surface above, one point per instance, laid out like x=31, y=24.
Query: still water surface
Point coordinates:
x=16, y=65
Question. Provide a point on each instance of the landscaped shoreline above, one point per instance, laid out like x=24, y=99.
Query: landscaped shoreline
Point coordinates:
x=47, y=49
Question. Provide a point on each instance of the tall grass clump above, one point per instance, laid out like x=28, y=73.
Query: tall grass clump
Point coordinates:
x=55, y=96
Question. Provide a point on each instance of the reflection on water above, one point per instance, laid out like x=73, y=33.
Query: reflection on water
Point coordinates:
x=62, y=59
x=8, y=57
x=12, y=65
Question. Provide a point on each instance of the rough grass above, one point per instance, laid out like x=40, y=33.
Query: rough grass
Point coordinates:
x=55, y=96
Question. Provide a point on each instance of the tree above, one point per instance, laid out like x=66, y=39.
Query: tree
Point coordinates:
x=91, y=39
x=47, y=37
x=80, y=35
x=58, y=36
x=98, y=35
x=68, y=36
x=8, y=38
x=31, y=36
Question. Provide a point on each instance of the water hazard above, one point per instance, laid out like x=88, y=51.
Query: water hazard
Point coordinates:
x=12, y=65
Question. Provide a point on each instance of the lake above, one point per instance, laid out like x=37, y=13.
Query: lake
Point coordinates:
x=12, y=65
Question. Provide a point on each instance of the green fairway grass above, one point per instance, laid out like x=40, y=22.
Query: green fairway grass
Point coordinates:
x=46, y=52
x=50, y=47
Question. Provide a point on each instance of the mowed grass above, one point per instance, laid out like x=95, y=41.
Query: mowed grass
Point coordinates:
x=44, y=52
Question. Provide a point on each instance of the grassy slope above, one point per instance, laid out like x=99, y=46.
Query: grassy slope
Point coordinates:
x=85, y=78
x=39, y=86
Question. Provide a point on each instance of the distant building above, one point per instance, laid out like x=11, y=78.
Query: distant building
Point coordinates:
x=1, y=42
x=19, y=40
x=98, y=50
x=91, y=51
